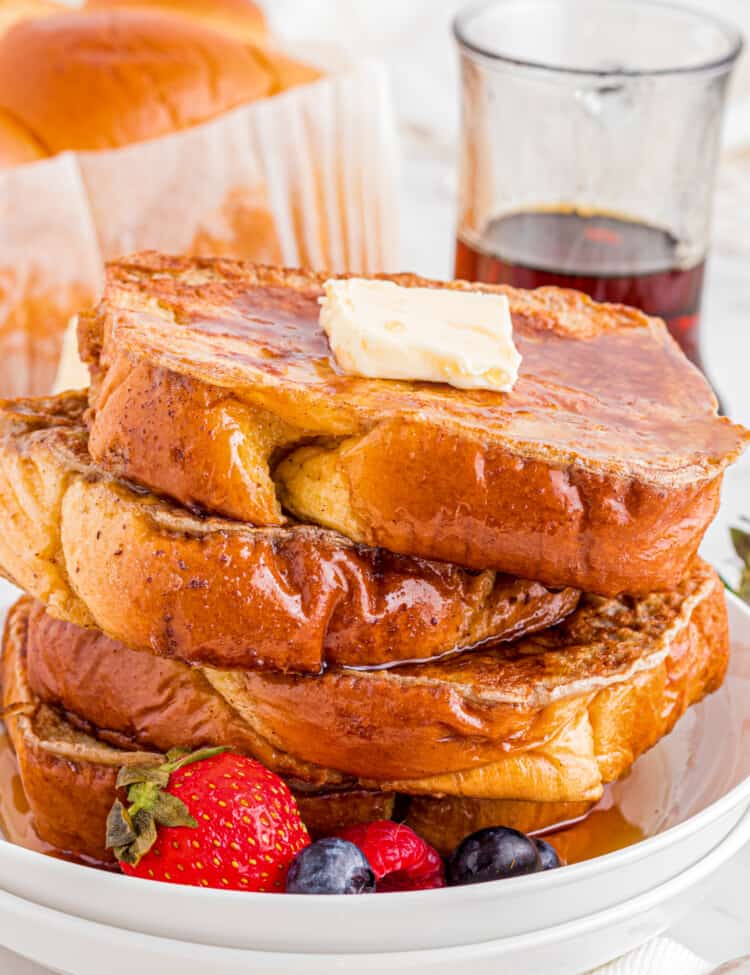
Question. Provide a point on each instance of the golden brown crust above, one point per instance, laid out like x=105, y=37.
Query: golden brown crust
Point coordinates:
x=548, y=718
x=609, y=439
x=575, y=704
x=133, y=700
x=211, y=591
x=242, y=19
x=99, y=79
x=69, y=777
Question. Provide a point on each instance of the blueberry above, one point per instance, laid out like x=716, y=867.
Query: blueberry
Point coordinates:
x=547, y=855
x=330, y=866
x=492, y=854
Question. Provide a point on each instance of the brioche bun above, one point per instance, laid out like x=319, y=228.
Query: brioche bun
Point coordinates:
x=100, y=79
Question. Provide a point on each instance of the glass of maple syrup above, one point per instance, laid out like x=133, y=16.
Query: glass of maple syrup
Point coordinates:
x=589, y=144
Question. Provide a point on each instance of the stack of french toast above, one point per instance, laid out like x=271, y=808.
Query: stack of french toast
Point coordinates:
x=462, y=607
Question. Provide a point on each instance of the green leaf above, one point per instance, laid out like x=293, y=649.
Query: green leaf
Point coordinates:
x=145, y=830
x=134, y=774
x=168, y=810
x=727, y=586
x=131, y=831
x=744, y=588
x=120, y=830
x=142, y=795
x=741, y=542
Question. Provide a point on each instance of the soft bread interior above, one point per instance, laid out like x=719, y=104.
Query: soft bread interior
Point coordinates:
x=178, y=348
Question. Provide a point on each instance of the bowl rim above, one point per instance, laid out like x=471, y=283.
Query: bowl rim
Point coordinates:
x=735, y=840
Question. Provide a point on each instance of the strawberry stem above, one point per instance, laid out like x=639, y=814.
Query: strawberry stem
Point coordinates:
x=131, y=829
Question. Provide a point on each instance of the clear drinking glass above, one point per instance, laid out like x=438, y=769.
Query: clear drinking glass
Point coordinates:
x=590, y=138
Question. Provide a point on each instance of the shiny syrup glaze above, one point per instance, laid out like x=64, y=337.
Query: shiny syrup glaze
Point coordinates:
x=603, y=830
x=610, y=383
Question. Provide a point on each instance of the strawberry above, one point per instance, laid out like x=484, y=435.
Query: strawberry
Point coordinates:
x=211, y=819
x=399, y=858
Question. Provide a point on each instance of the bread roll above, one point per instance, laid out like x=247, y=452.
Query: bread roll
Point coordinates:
x=103, y=79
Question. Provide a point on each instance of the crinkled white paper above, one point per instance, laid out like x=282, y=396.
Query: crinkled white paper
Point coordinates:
x=307, y=178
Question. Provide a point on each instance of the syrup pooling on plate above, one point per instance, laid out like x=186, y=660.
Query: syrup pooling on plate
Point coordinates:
x=604, y=830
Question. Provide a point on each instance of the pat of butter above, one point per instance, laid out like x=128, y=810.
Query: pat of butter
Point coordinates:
x=381, y=330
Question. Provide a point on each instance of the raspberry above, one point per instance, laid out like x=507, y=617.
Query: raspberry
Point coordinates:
x=399, y=858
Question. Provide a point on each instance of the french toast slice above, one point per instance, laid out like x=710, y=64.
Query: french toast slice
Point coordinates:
x=548, y=718
x=69, y=775
x=208, y=590
x=212, y=382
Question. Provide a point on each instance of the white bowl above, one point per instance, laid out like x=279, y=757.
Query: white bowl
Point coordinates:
x=688, y=794
x=77, y=947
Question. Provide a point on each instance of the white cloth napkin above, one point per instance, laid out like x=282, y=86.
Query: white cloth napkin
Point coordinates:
x=662, y=956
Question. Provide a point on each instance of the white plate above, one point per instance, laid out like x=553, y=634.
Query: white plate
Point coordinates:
x=78, y=947
x=688, y=793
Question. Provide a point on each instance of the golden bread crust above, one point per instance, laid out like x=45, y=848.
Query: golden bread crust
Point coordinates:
x=548, y=718
x=295, y=598
x=242, y=19
x=573, y=705
x=601, y=469
x=70, y=795
x=69, y=776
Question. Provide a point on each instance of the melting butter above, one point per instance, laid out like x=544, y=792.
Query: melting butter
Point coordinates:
x=381, y=330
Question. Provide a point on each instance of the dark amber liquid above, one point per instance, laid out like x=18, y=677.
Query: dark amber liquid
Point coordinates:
x=608, y=257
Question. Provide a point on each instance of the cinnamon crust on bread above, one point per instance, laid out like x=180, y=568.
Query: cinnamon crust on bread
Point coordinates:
x=549, y=718
x=213, y=382
x=69, y=774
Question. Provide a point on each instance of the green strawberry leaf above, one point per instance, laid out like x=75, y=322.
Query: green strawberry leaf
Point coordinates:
x=168, y=810
x=178, y=758
x=133, y=774
x=145, y=837
x=131, y=830
x=120, y=830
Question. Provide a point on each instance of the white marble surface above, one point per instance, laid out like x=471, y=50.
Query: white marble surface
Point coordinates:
x=413, y=39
